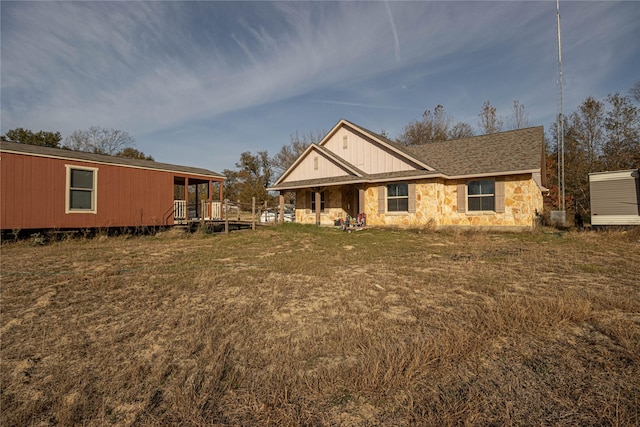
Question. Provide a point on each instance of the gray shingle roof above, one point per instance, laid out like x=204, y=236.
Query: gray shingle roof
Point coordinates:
x=516, y=150
x=101, y=158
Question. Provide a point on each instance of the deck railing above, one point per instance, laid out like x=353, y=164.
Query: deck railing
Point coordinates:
x=209, y=210
x=179, y=211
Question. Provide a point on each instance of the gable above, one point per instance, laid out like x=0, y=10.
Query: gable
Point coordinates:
x=316, y=164
x=365, y=153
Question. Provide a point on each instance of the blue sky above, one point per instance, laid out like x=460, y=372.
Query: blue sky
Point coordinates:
x=198, y=83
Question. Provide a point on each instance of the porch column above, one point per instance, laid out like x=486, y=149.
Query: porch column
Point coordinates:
x=281, y=217
x=196, y=203
x=360, y=200
x=186, y=198
x=221, y=189
x=318, y=207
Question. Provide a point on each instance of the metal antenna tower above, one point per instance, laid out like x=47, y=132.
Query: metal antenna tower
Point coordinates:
x=561, y=187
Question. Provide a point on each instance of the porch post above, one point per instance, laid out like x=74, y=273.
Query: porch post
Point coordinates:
x=196, y=201
x=360, y=200
x=318, y=207
x=221, y=189
x=281, y=217
x=186, y=198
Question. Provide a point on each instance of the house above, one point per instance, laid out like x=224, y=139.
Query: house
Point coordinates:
x=615, y=197
x=495, y=180
x=52, y=188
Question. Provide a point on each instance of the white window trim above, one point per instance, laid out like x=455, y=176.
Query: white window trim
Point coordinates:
x=94, y=191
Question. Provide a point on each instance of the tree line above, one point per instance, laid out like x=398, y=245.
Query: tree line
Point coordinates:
x=600, y=135
x=97, y=140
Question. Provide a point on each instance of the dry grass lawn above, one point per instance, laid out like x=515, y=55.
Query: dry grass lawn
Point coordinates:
x=299, y=325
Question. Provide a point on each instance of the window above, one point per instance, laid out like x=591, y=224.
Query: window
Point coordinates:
x=313, y=202
x=481, y=195
x=81, y=189
x=398, y=197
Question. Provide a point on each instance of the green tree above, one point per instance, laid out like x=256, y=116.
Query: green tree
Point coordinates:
x=251, y=179
x=41, y=138
x=133, y=154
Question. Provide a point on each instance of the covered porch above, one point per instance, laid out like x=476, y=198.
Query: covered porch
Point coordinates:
x=324, y=205
x=197, y=198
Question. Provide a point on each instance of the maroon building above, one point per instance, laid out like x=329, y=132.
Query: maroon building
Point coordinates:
x=51, y=188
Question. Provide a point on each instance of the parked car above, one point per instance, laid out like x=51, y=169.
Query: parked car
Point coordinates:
x=272, y=216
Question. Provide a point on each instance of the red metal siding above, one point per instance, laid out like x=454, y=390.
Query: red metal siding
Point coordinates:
x=33, y=195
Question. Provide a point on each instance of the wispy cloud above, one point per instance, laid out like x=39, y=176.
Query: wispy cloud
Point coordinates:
x=149, y=66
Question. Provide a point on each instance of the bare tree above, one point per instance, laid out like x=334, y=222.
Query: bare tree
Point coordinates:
x=489, y=121
x=520, y=117
x=99, y=140
x=460, y=130
x=622, y=126
x=635, y=91
x=433, y=127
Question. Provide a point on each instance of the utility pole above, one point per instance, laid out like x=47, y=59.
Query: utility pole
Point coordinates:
x=561, y=216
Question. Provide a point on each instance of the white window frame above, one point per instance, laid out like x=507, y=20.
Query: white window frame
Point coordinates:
x=94, y=190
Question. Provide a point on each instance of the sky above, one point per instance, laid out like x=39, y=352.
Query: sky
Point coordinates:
x=198, y=83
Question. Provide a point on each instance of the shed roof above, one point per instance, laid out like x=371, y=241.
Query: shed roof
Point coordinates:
x=36, y=150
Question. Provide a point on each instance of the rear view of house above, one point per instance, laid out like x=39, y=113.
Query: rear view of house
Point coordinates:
x=615, y=197
x=51, y=188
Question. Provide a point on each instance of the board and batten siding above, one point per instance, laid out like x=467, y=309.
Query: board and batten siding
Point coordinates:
x=34, y=195
x=364, y=154
x=315, y=165
x=615, y=198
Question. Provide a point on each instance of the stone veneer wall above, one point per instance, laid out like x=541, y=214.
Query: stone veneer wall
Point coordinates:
x=436, y=205
x=332, y=207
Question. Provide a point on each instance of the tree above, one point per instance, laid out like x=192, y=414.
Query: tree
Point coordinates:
x=41, y=138
x=132, y=153
x=433, y=127
x=635, y=91
x=460, y=130
x=289, y=153
x=99, y=140
x=489, y=122
x=622, y=126
x=520, y=118
x=251, y=179
x=587, y=127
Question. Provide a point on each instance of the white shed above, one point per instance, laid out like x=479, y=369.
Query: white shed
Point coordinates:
x=615, y=197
